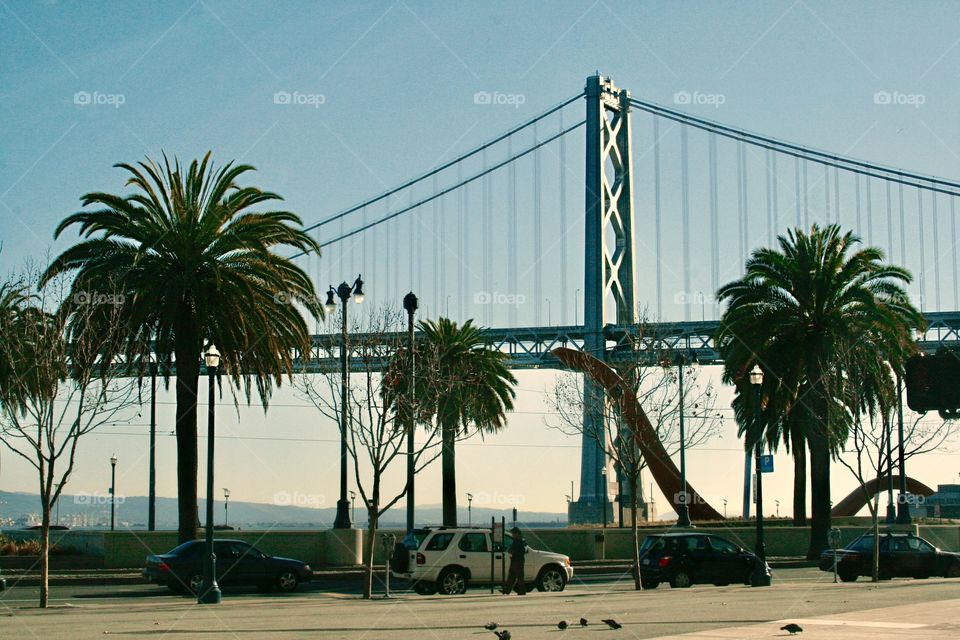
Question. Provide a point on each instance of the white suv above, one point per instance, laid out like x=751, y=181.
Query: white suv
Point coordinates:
x=448, y=559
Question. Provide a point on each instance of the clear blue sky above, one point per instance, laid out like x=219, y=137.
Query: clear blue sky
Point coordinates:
x=398, y=81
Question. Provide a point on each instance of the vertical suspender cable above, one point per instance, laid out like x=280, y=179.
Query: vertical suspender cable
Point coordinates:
x=685, y=220
x=415, y=244
x=386, y=235
x=363, y=242
x=656, y=214
x=537, y=237
x=953, y=245
x=889, y=223
x=806, y=206
x=512, y=232
x=487, y=240
x=437, y=248
x=441, y=300
x=826, y=193
x=903, y=231
x=923, y=259
x=796, y=187
x=563, y=226
x=836, y=192
x=746, y=210
x=769, y=183
x=869, y=186
x=714, y=219
x=936, y=250
x=857, y=186
x=464, y=244
x=741, y=204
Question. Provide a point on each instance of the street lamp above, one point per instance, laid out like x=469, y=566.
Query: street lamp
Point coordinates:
x=344, y=291
x=683, y=511
x=113, y=490
x=210, y=591
x=152, y=489
x=469, y=509
x=778, y=507
x=353, y=505
x=226, y=506
x=724, y=508
x=760, y=577
x=410, y=306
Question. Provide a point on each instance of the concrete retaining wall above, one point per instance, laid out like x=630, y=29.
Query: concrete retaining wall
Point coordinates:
x=339, y=548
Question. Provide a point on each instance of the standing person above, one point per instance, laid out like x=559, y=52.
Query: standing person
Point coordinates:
x=515, y=576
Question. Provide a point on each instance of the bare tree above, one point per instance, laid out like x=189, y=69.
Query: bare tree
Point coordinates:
x=654, y=379
x=377, y=413
x=55, y=387
x=868, y=454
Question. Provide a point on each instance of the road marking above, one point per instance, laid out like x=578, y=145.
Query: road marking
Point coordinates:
x=851, y=623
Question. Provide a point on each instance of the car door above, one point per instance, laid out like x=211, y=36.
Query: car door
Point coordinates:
x=923, y=557
x=474, y=554
x=728, y=564
x=227, y=569
x=699, y=558
x=252, y=566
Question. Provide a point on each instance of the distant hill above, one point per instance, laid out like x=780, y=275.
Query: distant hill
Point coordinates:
x=83, y=510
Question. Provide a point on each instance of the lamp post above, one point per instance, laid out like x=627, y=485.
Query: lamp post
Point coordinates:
x=344, y=291
x=724, y=508
x=760, y=577
x=210, y=590
x=113, y=490
x=469, y=509
x=683, y=512
x=226, y=506
x=152, y=489
x=353, y=505
x=903, y=509
x=410, y=305
x=778, y=507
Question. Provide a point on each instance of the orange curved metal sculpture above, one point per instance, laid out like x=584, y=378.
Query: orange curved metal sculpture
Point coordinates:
x=664, y=472
x=857, y=499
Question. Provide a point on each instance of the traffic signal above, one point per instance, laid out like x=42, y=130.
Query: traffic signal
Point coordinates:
x=933, y=382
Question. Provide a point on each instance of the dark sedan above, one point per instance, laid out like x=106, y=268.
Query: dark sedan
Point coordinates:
x=684, y=559
x=238, y=564
x=902, y=555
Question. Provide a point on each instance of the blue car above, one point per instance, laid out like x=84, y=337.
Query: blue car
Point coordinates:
x=238, y=564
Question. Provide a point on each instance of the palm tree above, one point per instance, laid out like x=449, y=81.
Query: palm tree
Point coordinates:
x=473, y=392
x=810, y=314
x=194, y=265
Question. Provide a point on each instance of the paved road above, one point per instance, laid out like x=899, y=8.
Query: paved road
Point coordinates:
x=728, y=612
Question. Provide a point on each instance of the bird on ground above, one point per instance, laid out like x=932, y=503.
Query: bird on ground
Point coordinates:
x=613, y=624
x=792, y=628
x=583, y=622
x=490, y=626
x=503, y=635
x=562, y=625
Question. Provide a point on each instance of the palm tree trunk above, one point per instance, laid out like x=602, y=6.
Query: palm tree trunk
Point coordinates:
x=799, y=450
x=819, y=494
x=187, y=352
x=448, y=466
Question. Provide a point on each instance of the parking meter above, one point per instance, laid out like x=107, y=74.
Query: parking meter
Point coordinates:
x=834, y=539
x=389, y=541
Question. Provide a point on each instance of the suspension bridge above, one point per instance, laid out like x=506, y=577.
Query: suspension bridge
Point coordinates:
x=495, y=233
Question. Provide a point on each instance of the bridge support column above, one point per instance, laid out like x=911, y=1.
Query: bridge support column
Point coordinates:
x=608, y=274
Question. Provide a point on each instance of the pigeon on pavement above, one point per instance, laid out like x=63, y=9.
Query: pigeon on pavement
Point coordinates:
x=792, y=628
x=490, y=626
x=613, y=624
x=583, y=622
x=503, y=635
x=562, y=625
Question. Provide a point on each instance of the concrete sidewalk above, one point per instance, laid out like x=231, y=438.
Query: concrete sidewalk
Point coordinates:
x=906, y=622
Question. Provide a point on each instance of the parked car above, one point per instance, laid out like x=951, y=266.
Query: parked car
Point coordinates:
x=685, y=559
x=447, y=560
x=901, y=555
x=238, y=563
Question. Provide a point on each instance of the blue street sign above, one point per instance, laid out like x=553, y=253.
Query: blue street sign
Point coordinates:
x=766, y=463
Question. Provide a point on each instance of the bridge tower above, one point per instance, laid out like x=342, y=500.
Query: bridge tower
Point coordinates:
x=608, y=290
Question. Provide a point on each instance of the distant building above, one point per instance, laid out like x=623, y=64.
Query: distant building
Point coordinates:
x=947, y=498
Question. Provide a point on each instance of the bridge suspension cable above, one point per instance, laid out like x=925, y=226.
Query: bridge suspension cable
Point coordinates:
x=920, y=181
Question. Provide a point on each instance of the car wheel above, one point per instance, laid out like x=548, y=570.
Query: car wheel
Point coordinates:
x=195, y=582
x=287, y=581
x=551, y=578
x=649, y=584
x=847, y=576
x=452, y=581
x=953, y=571
x=424, y=588
x=680, y=580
